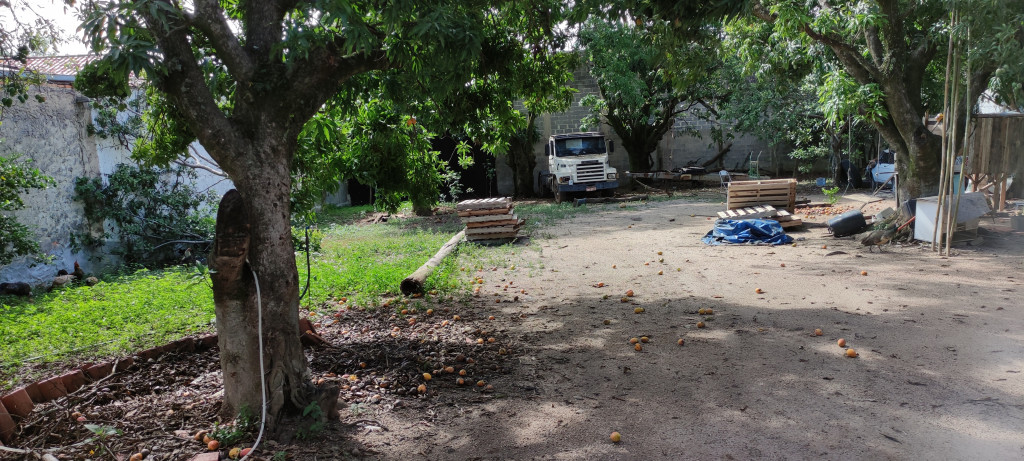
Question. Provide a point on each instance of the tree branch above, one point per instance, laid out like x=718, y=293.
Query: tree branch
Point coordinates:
x=874, y=45
x=316, y=78
x=209, y=18
x=855, y=63
x=184, y=83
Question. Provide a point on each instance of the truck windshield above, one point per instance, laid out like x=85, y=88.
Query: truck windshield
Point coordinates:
x=579, y=146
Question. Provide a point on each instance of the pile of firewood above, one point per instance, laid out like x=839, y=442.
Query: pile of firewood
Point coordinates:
x=489, y=220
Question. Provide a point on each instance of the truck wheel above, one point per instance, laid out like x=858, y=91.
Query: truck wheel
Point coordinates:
x=561, y=197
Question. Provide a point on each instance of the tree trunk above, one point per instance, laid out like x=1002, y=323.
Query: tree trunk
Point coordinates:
x=522, y=159
x=918, y=151
x=254, y=234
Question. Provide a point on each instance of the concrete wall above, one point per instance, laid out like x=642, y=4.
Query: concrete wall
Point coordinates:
x=54, y=135
x=676, y=149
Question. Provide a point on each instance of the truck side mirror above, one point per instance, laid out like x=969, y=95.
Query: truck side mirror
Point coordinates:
x=611, y=146
x=547, y=150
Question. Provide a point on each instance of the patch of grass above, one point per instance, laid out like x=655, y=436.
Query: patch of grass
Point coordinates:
x=366, y=262
x=334, y=215
x=119, y=314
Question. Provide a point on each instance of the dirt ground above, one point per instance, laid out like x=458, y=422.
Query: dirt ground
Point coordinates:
x=940, y=371
x=939, y=375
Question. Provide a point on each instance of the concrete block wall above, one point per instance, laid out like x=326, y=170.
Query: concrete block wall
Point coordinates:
x=677, y=149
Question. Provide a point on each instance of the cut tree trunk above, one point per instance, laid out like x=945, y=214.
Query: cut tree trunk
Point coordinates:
x=413, y=284
x=254, y=234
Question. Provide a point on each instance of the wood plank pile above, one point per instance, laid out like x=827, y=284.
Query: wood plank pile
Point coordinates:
x=784, y=218
x=779, y=193
x=489, y=220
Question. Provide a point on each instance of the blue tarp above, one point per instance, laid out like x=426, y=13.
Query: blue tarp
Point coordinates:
x=755, y=231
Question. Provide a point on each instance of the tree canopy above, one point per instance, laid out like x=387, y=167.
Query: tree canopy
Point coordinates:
x=246, y=79
x=888, y=56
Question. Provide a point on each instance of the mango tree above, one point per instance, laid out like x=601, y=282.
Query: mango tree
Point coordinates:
x=245, y=78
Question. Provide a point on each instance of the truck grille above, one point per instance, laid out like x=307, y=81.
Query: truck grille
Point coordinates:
x=590, y=173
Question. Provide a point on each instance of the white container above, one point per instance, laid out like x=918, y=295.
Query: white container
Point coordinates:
x=972, y=206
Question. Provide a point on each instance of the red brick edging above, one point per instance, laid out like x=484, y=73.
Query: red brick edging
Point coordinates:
x=18, y=404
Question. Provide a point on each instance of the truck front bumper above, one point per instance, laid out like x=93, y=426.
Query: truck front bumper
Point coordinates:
x=587, y=187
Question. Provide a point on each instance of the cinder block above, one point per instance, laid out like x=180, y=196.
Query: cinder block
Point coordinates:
x=7, y=425
x=52, y=389
x=18, y=403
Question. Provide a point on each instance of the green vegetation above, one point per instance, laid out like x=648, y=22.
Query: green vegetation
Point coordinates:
x=831, y=194
x=155, y=219
x=365, y=262
x=359, y=261
x=17, y=177
x=120, y=314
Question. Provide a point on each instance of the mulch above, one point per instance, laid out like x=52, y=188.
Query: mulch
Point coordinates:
x=378, y=358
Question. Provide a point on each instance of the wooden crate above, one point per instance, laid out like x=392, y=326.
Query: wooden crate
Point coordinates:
x=780, y=193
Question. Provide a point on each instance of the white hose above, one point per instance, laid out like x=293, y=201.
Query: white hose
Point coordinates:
x=263, y=376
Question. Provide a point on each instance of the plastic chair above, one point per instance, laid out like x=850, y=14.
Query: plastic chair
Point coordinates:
x=725, y=178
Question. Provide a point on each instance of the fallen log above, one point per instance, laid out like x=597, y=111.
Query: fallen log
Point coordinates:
x=631, y=198
x=413, y=284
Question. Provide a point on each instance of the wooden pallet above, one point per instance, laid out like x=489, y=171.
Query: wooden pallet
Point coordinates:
x=489, y=217
x=780, y=193
x=783, y=217
x=491, y=230
x=749, y=212
x=488, y=212
x=484, y=204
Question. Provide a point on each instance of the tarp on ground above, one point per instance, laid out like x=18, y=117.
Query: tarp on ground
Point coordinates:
x=753, y=231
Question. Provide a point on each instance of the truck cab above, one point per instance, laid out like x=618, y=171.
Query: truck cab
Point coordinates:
x=578, y=164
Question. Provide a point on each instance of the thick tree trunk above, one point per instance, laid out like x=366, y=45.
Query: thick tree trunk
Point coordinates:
x=522, y=159
x=918, y=151
x=523, y=164
x=254, y=234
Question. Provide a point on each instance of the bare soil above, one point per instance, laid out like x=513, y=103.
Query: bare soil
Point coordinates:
x=939, y=372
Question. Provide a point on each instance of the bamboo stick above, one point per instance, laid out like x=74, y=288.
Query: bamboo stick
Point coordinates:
x=945, y=128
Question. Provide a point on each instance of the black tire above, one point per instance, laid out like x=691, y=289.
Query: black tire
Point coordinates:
x=559, y=196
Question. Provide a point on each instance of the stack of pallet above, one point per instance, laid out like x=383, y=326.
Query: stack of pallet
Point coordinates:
x=489, y=220
x=780, y=193
x=785, y=218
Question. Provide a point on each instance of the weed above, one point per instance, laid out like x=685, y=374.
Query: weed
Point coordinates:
x=280, y=456
x=831, y=194
x=316, y=425
x=231, y=434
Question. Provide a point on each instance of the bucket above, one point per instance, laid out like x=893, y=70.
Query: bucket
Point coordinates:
x=848, y=223
x=1017, y=223
x=820, y=182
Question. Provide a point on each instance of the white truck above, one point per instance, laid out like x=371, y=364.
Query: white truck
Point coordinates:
x=578, y=163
